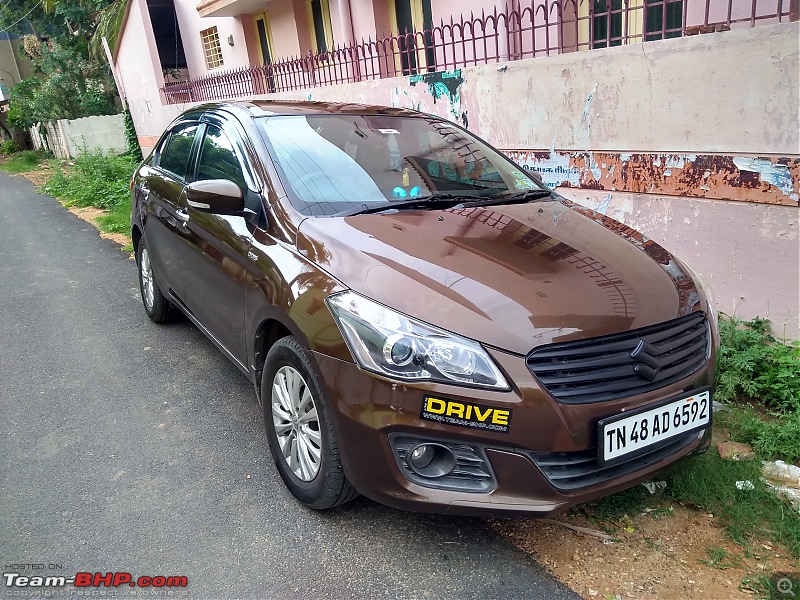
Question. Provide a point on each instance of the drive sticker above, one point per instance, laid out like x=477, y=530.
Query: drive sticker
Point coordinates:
x=466, y=414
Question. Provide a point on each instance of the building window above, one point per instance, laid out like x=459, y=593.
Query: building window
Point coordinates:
x=212, y=48
x=408, y=17
x=606, y=23
x=664, y=19
x=319, y=16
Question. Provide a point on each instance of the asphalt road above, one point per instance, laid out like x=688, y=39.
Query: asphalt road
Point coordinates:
x=133, y=447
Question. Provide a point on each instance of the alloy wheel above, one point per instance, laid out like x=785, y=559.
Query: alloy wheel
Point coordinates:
x=146, y=271
x=294, y=416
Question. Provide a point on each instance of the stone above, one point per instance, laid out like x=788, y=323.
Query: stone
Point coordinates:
x=735, y=451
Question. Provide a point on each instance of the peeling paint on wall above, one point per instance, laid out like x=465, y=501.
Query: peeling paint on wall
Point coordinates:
x=777, y=175
x=764, y=180
x=445, y=84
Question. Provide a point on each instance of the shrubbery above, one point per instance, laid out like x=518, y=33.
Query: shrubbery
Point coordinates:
x=101, y=180
x=753, y=364
x=8, y=147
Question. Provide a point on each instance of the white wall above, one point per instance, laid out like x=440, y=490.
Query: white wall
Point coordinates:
x=68, y=138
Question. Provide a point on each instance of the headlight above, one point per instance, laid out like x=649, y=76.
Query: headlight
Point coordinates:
x=704, y=286
x=386, y=342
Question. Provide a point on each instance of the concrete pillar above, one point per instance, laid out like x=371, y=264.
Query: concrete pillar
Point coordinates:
x=502, y=32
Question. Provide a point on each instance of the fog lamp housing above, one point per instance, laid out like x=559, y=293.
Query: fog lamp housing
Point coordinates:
x=443, y=464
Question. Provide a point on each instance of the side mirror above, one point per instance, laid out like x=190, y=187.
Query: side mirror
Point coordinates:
x=215, y=196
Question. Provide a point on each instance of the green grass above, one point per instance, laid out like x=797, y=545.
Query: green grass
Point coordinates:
x=22, y=162
x=773, y=436
x=709, y=483
x=719, y=558
x=118, y=219
x=99, y=180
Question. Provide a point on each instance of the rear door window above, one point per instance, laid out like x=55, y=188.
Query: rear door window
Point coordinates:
x=174, y=156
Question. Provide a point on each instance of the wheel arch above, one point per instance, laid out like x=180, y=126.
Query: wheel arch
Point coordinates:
x=136, y=236
x=269, y=331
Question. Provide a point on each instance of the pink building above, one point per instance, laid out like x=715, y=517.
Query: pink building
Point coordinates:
x=676, y=117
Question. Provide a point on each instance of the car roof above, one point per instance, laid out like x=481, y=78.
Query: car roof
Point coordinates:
x=265, y=108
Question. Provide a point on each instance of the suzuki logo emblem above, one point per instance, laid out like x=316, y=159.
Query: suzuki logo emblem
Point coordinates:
x=648, y=365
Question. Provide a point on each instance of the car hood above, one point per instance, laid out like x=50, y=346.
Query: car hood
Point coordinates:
x=512, y=277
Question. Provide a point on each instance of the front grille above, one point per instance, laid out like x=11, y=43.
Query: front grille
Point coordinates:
x=570, y=471
x=472, y=472
x=623, y=364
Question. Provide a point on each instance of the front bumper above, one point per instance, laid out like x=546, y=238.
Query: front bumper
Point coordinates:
x=370, y=412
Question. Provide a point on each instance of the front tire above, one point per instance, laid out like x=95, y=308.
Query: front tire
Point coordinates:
x=157, y=307
x=299, y=431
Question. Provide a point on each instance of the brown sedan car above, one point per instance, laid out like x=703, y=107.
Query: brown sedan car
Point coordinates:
x=425, y=322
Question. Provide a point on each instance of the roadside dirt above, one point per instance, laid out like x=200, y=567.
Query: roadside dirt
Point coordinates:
x=88, y=214
x=39, y=176
x=660, y=554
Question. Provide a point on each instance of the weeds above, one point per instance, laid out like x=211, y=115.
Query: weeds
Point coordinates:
x=773, y=437
x=718, y=558
x=753, y=364
x=100, y=180
x=97, y=179
x=709, y=482
x=8, y=147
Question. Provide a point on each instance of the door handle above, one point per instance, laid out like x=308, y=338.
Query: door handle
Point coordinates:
x=182, y=215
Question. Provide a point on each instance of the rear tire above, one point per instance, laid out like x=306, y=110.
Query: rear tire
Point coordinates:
x=157, y=307
x=299, y=430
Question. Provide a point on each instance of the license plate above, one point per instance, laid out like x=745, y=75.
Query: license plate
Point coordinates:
x=625, y=434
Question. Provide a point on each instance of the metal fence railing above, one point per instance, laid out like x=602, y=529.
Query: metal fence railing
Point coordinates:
x=523, y=29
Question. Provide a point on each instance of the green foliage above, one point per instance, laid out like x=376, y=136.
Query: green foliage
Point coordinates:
x=109, y=26
x=24, y=161
x=50, y=18
x=753, y=364
x=98, y=179
x=8, y=147
x=131, y=139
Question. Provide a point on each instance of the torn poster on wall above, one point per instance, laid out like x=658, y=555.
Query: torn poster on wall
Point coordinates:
x=765, y=180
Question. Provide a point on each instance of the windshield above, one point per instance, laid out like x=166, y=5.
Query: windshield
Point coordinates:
x=329, y=164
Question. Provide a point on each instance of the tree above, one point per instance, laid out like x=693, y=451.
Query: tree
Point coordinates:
x=69, y=82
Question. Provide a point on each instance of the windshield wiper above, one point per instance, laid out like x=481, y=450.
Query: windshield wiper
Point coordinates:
x=518, y=198
x=432, y=202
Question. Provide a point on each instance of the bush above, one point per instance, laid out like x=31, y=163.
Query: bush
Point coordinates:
x=8, y=147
